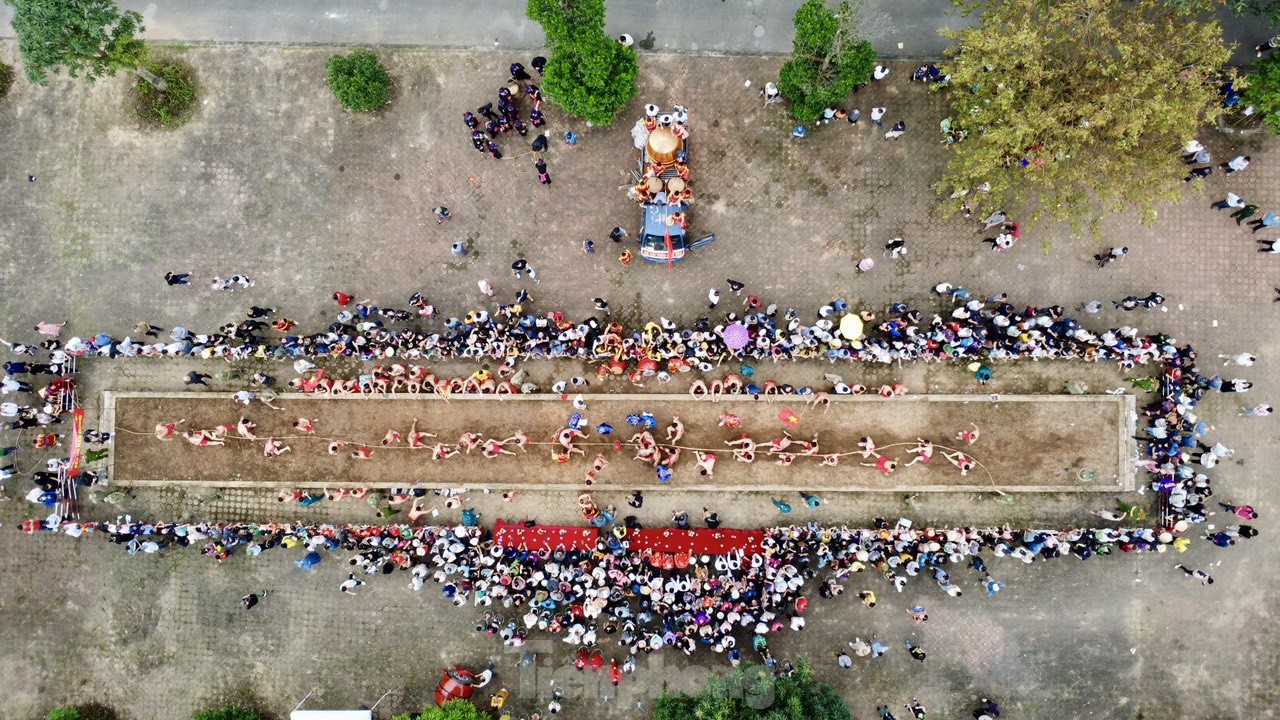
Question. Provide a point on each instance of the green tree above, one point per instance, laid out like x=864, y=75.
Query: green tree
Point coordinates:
x=674, y=706
x=84, y=36
x=1076, y=108
x=828, y=59
x=591, y=77
x=588, y=74
x=360, y=81
x=230, y=711
x=752, y=692
x=1263, y=91
x=1268, y=10
x=563, y=19
x=65, y=712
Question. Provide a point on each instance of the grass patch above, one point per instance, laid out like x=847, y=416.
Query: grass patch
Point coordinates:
x=92, y=711
x=230, y=711
x=6, y=79
x=173, y=107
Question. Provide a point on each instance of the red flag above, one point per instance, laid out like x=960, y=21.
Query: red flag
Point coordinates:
x=671, y=251
x=789, y=418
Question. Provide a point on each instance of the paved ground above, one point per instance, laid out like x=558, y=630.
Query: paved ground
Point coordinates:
x=756, y=27
x=742, y=26
x=272, y=180
x=1026, y=443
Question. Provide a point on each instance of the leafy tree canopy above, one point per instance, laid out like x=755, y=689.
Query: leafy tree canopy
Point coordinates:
x=1263, y=91
x=85, y=36
x=751, y=692
x=564, y=19
x=591, y=77
x=828, y=59
x=65, y=712
x=1268, y=10
x=1076, y=108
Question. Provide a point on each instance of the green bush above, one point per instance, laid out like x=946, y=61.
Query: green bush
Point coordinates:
x=1263, y=91
x=63, y=713
x=359, y=81
x=452, y=710
x=172, y=107
x=229, y=712
x=6, y=79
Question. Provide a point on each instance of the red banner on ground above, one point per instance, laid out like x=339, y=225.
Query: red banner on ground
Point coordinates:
x=703, y=541
x=545, y=537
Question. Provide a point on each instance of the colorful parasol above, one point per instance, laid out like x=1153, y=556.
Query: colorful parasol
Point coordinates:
x=736, y=336
x=851, y=326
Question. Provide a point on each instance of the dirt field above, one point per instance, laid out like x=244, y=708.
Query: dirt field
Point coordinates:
x=1027, y=443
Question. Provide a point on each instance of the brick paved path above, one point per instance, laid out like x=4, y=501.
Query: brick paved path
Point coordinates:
x=272, y=180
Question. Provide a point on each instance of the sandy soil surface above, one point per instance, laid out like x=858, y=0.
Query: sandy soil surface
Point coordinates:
x=1026, y=443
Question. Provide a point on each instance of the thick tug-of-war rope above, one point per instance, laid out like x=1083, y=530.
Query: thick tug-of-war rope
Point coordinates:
x=784, y=451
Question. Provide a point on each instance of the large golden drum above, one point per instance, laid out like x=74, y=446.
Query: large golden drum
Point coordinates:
x=663, y=146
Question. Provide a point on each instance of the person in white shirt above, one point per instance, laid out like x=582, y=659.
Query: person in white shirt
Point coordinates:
x=1233, y=201
x=1243, y=359
x=1237, y=164
x=350, y=584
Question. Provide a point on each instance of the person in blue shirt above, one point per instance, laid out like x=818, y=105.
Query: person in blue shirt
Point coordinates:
x=992, y=586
